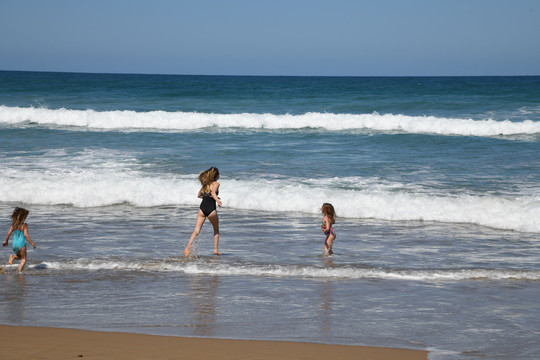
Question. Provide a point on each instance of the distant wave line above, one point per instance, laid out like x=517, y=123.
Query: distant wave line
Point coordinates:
x=127, y=120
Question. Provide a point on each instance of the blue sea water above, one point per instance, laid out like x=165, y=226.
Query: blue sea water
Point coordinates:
x=435, y=181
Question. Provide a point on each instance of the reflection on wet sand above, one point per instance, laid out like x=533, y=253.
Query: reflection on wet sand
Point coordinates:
x=326, y=305
x=203, y=299
x=12, y=297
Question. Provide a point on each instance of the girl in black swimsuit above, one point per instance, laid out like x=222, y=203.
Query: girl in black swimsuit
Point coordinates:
x=209, y=195
x=208, y=204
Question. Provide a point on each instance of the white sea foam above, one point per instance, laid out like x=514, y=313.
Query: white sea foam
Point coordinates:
x=95, y=178
x=306, y=271
x=182, y=121
x=90, y=178
x=108, y=185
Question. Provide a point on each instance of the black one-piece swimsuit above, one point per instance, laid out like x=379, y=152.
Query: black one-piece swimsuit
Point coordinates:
x=208, y=204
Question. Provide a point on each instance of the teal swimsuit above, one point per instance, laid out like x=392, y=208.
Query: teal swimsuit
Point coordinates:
x=19, y=241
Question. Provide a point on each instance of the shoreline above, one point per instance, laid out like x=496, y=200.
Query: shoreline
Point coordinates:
x=24, y=342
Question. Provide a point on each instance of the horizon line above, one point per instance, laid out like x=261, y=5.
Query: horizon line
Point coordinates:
x=258, y=75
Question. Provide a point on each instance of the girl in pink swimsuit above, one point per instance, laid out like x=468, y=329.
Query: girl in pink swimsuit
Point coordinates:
x=328, y=220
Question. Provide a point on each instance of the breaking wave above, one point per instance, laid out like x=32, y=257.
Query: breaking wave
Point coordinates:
x=187, y=121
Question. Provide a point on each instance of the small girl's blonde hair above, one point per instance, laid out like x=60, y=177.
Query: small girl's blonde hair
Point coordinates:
x=207, y=177
x=18, y=216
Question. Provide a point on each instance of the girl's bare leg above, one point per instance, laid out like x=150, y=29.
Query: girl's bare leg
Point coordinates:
x=328, y=244
x=214, y=220
x=15, y=257
x=22, y=255
x=198, y=226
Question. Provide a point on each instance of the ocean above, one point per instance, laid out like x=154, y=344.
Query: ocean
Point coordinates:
x=435, y=182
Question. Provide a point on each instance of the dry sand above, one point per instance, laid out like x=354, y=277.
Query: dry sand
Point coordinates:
x=33, y=343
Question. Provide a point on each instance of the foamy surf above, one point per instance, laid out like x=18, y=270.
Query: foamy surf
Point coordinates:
x=127, y=120
x=110, y=187
x=277, y=270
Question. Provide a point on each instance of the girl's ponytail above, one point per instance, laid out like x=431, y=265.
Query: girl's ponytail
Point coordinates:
x=207, y=177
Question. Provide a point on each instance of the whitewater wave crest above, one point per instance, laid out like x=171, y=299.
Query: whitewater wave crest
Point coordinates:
x=110, y=187
x=188, y=121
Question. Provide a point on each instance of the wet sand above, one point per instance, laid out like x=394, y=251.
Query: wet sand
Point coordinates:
x=21, y=342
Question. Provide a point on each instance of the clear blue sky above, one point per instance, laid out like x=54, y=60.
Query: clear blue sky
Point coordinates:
x=273, y=37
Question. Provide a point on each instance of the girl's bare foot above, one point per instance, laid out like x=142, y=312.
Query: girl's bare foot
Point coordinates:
x=11, y=258
x=217, y=253
x=187, y=252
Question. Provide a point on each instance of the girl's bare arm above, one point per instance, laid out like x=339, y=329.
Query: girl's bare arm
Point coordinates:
x=27, y=236
x=214, y=187
x=8, y=235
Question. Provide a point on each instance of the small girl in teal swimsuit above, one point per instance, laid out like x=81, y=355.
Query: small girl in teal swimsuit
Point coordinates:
x=20, y=235
x=327, y=222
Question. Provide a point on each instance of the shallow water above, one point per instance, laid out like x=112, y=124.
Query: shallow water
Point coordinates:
x=401, y=285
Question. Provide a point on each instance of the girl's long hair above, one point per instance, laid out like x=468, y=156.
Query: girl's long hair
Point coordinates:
x=207, y=177
x=328, y=210
x=18, y=217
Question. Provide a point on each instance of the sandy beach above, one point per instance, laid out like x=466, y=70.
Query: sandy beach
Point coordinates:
x=20, y=342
